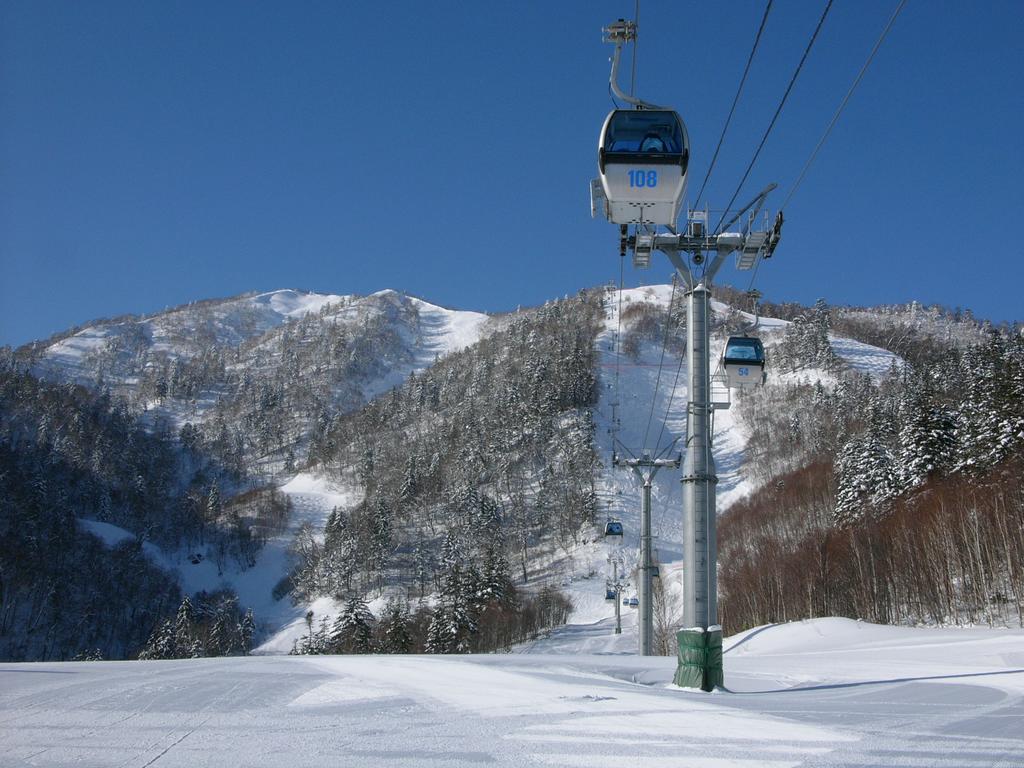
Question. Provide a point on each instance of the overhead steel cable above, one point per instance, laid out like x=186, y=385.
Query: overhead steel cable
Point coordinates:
x=618, y=350
x=671, y=397
x=661, y=362
x=778, y=111
x=842, y=105
x=735, y=101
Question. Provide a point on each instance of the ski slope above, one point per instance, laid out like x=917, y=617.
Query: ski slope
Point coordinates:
x=829, y=692
x=644, y=393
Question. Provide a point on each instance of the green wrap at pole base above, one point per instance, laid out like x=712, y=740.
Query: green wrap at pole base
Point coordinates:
x=700, y=658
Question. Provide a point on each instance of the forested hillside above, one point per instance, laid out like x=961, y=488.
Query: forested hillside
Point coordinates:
x=249, y=379
x=65, y=453
x=69, y=455
x=892, y=501
x=467, y=472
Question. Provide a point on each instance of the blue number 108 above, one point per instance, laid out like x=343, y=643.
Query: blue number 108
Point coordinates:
x=643, y=178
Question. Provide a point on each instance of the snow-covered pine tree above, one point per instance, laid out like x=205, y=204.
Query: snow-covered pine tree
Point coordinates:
x=927, y=441
x=381, y=542
x=221, y=640
x=161, y=643
x=453, y=623
x=353, y=628
x=396, y=637
x=865, y=472
x=410, y=480
x=184, y=629
x=247, y=631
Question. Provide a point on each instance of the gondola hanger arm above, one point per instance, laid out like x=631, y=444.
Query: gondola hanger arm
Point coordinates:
x=619, y=33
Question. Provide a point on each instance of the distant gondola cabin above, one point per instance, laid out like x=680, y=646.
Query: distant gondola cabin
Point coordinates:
x=744, y=362
x=613, y=528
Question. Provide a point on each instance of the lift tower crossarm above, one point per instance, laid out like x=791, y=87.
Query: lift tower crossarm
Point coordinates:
x=722, y=245
x=646, y=468
x=757, y=201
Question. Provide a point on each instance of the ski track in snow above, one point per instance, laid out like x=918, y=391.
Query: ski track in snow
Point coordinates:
x=619, y=489
x=827, y=693
x=873, y=361
x=441, y=332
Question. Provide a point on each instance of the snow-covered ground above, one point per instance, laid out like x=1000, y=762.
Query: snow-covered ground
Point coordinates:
x=829, y=692
x=228, y=322
x=873, y=361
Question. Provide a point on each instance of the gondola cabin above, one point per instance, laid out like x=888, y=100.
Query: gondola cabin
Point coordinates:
x=613, y=528
x=643, y=156
x=744, y=362
x=609, y=593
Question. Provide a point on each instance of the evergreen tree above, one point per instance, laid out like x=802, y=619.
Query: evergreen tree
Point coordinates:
x=927, y=440
x=381, y=537
x=184, y=629
x=395, y=624
x=161, y=643
x=247, y=631
x=213, y=504
x=453, y=622
x=353, y=628
x=410, y=481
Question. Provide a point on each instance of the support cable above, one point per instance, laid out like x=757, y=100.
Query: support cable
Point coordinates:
x=778, y=111
x=735, y=101
x=671, y=397
x=618, y=347
x=842, y=105
x=661, y=361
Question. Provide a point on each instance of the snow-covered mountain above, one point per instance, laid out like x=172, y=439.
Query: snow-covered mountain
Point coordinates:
x=217, y=341
x=357, y=409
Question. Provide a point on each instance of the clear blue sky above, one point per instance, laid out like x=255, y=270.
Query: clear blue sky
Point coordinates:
x=152, y=153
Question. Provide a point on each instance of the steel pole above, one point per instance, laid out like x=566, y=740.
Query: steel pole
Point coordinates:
x=618, y=600
x=700, y=607
x=646, y=612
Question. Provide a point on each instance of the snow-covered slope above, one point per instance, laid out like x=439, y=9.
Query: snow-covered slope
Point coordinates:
x=279, y=622
x=181, y=332
x=633, y=383
x=119, y=353
x=821, y=693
